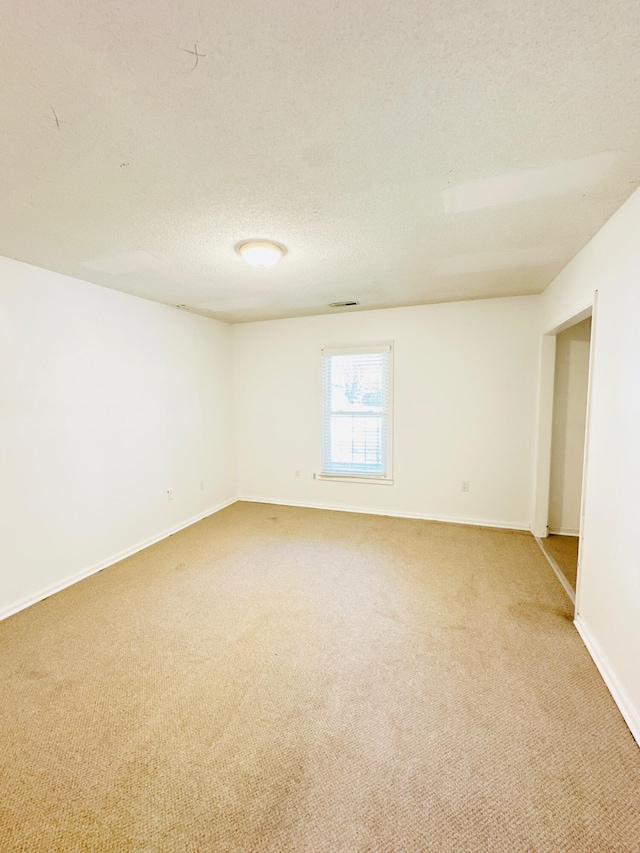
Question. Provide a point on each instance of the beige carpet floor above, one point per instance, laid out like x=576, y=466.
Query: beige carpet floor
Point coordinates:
x=564, y=550
x=281, y=679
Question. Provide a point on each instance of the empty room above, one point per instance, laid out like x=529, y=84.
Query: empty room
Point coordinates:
x=319, y=419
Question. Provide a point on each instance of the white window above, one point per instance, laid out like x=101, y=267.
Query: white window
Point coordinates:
x=356, y=413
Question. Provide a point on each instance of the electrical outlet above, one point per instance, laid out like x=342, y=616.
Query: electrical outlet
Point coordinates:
x=169, y=494
x=202, y=485
x=464, y=486
x=297, y=475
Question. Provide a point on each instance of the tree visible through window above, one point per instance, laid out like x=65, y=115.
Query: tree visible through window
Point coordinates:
x=356, y=411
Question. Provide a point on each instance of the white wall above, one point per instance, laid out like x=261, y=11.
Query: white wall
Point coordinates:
x=106, y=401
x=464, y=395
x=608, y=600
x=569, y=419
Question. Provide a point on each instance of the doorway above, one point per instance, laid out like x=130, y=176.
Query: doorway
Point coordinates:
x=559, y=516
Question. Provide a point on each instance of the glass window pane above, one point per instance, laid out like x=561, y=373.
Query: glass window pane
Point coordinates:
x=355, y=413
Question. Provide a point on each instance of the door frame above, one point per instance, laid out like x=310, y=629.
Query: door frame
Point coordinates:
x=542, y=476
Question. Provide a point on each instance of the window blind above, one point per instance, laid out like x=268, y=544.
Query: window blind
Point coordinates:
x=355, y=407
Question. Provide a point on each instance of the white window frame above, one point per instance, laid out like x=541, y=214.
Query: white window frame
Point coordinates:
x=380, y=479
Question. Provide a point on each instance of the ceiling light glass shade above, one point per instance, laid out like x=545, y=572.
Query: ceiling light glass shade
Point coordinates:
x=261, y=253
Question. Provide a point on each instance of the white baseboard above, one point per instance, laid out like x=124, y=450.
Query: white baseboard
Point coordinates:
x=564, y=531
x=16, y=607
x=23, y=603
x=620, y=697
x=474, y=522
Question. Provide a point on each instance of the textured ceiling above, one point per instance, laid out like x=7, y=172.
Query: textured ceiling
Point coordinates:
x=331, y=127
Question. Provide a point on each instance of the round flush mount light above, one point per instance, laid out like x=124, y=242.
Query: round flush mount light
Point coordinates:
x=260, y=253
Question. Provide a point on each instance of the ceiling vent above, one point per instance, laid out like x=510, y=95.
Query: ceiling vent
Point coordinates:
x=343, y=304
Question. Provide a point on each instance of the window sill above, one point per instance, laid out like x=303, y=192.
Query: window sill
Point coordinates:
x=350, y=478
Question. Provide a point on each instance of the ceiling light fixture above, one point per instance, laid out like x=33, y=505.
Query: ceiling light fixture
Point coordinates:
x=260, y=253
